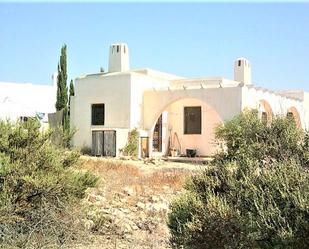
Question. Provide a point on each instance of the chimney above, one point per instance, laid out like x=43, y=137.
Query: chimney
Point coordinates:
x=242, y=71
x=118, y=58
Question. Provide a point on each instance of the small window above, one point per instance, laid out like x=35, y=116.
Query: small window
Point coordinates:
x=192, y=120
x=124, y=49
x=117, y=48
x=97, y=114
x=239, y=63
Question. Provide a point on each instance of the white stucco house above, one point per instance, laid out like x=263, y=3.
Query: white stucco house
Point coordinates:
x=169, y=111
x=19, y=101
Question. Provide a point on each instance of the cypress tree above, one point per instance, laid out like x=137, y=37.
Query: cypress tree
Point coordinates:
x=62, y=89
x=72, y=90
x=72, y=93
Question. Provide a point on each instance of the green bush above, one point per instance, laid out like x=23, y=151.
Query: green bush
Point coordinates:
x=131, y=148
x=254, y=195
x=39, y=188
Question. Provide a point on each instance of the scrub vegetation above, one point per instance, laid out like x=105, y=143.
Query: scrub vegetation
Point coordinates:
x=253, y=195
x=39, y=189
x=131, y=148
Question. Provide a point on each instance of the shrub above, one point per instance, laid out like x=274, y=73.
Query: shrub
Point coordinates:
x=255, y=195
x=86, y=150
x=131, y=148
x=39, y=188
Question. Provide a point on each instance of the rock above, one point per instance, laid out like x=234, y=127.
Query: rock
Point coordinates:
x=155, y=199
x=127, y=227
x=89, y=224
x=157, y=207
x=128, y=191
x=141, y=205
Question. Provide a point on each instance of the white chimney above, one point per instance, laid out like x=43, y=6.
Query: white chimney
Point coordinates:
x=118, y=58
x=242, y=71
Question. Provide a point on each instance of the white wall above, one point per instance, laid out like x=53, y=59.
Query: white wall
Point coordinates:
x=226, y=101
x=306, y=110
x=25, y=99
x=279, y=104
x=205, y=143
x=141, y=83
x=218, y=104
x=114, y=92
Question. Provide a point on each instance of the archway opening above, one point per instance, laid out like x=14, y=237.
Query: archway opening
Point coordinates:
x=293, y=114
x=265, y=111
x=157, y=136
x=187, y=124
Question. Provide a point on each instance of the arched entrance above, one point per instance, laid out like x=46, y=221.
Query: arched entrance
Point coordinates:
x=294, y=115
x=265, y=111
x=185, y=124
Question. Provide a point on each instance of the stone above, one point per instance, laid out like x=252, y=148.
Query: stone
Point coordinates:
x=128, y=191
x=155, y=199
x=89, y=224
x=141, y=205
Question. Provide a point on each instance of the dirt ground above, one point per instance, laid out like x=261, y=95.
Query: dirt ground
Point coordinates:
x=128, y=209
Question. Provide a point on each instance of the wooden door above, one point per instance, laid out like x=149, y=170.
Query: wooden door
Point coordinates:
x=109, y=143
x=144, y=147
x=97, y=143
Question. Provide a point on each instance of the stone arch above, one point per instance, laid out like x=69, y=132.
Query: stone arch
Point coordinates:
x=293, y=113
x=265, y=111
x=173, y=125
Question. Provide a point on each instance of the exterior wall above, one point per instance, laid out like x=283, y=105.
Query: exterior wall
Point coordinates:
x=306, y=110
x=141, y=83
x=25, y=99
x=280, y=105
x=226, y=101
x=114, y=92
x=218, y=104
x=205, y=143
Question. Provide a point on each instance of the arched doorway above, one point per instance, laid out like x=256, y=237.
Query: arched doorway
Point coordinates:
x=185, y=124
x=294, y=115
x=157, y=136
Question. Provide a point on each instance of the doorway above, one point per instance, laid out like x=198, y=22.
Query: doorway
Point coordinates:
x=144, y=147
x=157, y=136
x=104, y=143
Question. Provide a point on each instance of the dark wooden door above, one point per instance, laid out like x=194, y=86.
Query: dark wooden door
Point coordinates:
x=97, y=143
x=109, y=143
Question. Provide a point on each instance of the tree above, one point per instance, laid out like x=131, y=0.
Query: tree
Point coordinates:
x=72, y=90
x=62, y=89
x=71, y=93
x=253, y=195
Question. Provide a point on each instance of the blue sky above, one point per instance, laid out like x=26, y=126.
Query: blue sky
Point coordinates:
x=193, y=40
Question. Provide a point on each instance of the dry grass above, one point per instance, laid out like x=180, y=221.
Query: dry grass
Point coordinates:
x=117, y=174
x=145, y=181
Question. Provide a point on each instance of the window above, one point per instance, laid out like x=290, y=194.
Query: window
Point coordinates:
x=239, y=63
x=124, y=49
x=97, y=114
x=117, y=49
x=192, y=120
